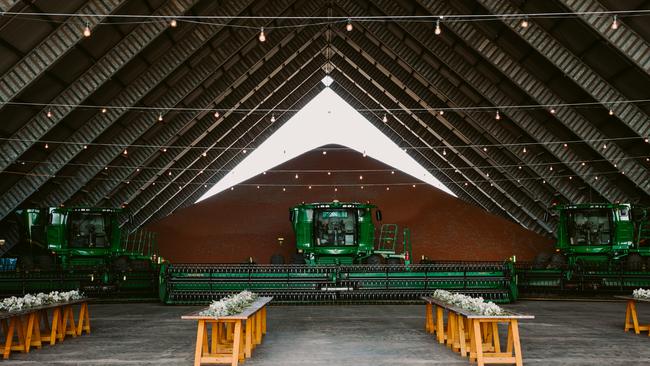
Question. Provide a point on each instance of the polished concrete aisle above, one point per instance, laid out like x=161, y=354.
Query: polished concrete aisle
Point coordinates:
x=564, y=333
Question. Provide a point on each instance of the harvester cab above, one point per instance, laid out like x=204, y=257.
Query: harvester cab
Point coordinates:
x=344, y=233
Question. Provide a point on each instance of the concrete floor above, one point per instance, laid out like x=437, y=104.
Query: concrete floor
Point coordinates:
x=564, y=333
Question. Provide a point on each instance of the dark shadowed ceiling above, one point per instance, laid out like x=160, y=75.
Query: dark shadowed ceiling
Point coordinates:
x=58, y=146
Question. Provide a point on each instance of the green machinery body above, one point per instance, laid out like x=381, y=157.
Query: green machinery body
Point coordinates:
x=79, y=248
x=339, y=258
x=602, y=248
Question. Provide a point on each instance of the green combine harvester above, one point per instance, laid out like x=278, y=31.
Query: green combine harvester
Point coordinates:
x=79, y=248
x=339, y=259
x=600, y=249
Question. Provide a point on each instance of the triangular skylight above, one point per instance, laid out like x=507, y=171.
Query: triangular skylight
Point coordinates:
x=326, y=119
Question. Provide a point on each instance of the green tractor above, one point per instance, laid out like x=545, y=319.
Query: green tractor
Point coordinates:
x=78, y=248
x=340, y=257
x=600, y=247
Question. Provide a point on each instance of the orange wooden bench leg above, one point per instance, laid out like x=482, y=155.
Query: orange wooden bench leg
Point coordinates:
x=83, y=324
x=198, y=350
x=478, y=342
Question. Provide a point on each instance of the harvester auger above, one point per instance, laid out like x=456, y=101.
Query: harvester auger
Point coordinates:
x=601, y=249
x=338, y=260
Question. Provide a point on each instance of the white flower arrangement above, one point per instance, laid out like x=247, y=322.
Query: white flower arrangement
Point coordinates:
x=29, y=301
x=641, y=294
x=473, y=304
x=230, y=305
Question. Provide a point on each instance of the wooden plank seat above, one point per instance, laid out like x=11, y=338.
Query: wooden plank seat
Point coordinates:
x=474, y=335
x=229, y=339
x=34, y=327
x=631, y=317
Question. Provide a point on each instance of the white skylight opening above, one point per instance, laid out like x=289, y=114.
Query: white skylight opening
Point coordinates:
x=326, y=119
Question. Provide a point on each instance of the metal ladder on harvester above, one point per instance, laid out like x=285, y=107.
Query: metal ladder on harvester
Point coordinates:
x=388, y=238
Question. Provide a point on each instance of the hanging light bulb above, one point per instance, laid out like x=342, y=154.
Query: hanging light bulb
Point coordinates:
x=444, y=152
x=553, y=110
x=262, y=36
x=497, y=116
x=348, y=27
x=85, y=147
x=364, y=153
x=615, y=23
x=361, y=177
x=204, y=154
x=284, y=189
x=524, y=150
x=272, y=118
x=309, y=187
x=388, y=188
x=413, y=185
x=258, y=187
x=104, y=110
x=384, y=119
x=336, y=189
x=49, y=114
x=329, y=173
x=646, y=140
x=244, y=151
x=296, y=176
x=125, y=153
x=392, y=172
x=160, y=117
x=361, y=187
x=87, y=30
x=173, y=23
x=484, y=149
x=324, y=152
x=604, y=146
x=565, y=145
x=47, y=146
x=550, y=168
x=437, y=31
x=524, y=23
x=216, y=114
x=164, y=149
x=441, y=112
x=611, y=112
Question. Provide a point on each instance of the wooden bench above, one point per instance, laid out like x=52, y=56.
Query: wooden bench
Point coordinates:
x=233, y=337
x=630, y=314
x=31, y=327
x=475, y=335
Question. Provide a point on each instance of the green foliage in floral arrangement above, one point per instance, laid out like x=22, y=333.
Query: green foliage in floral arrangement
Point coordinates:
x=230, y=305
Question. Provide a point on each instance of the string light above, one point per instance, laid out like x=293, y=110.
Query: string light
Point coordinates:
x=87, y=30
x=437, y=31
x=615, y=23
x=524, y=23
x=173, y=23
x=262, y=36
x=497, y=116
x=348, y=26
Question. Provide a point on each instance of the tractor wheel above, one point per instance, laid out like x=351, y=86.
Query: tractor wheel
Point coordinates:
x=375, y=259
x=394, y=261
x=634, y=262
x=26, y=263
x=277, y=259
x=298, y=259
x=541, y=260
x=121, y=264
x=558, y=261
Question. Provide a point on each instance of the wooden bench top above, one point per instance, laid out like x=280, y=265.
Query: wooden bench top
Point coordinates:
x=250, y=310
x=9, y=314
x=472, y=315
x=632, y=298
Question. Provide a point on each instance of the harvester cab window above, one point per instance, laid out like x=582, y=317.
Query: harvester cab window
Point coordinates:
x=89, y=230
x=335, y=227
x=589, y=227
